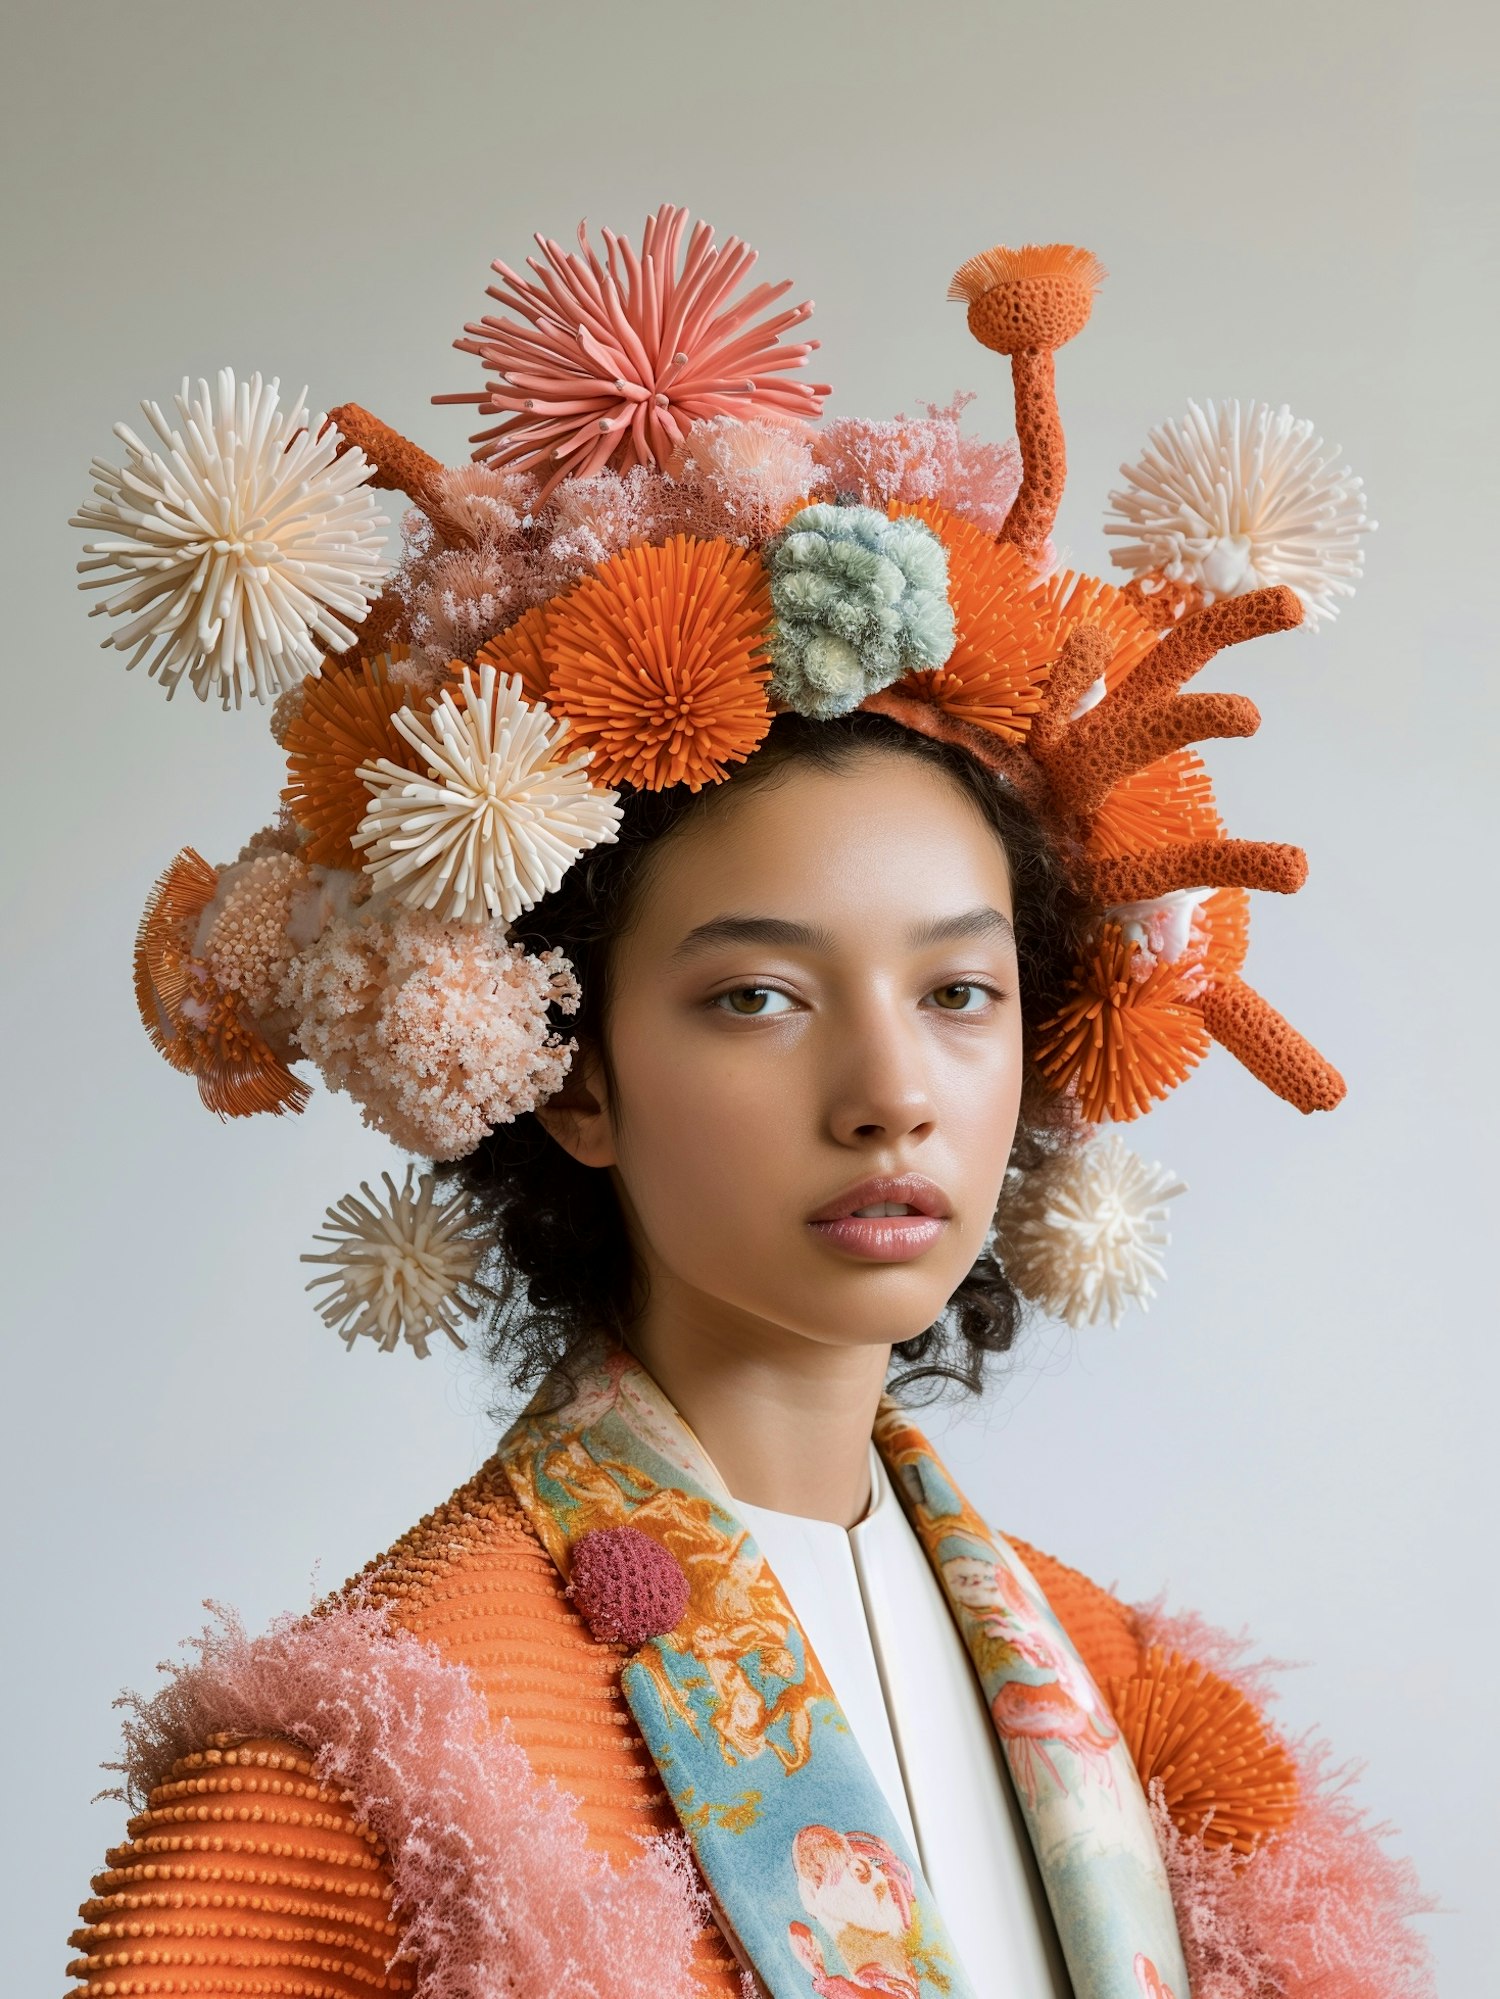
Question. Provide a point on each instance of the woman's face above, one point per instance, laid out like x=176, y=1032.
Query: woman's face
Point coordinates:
x=815, y=1046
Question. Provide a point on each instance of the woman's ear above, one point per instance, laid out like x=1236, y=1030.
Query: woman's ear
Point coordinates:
x=577, y=1116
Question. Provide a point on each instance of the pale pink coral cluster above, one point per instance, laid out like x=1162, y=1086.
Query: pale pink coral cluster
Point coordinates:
x=439, y=1031
x=489, y=547
x=921, y=458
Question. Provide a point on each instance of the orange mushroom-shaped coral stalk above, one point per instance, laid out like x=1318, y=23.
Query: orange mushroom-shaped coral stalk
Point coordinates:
x=1026, y=303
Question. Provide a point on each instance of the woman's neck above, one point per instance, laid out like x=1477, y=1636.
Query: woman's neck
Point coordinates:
x=786, y=1420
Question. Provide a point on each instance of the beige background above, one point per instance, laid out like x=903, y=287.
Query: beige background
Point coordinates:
x=1293, y=203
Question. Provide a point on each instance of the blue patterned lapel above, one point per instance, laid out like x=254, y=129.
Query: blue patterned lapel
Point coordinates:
x=815, y=1882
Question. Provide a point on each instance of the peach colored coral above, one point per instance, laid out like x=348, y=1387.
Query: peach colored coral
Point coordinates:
x=439, y=1031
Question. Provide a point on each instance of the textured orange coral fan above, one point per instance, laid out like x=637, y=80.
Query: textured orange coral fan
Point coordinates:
x=1123, y=1040
x=518, y=651
x=659, y=661
x=345, y=721
x=200, y=1028
x=1002, y=651
x=1224, y=1775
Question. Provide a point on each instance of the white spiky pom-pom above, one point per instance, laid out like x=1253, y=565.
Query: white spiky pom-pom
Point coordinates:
x=501, y=814
x=1240, y=495
x=398, y=1266
x=247, y=536
x=1082, y=1236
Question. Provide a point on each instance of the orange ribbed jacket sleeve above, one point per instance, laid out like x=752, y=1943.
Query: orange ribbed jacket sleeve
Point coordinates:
x=243, y=1876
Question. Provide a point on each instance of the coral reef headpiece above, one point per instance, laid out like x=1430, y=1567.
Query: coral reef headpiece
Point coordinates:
x=655, y=549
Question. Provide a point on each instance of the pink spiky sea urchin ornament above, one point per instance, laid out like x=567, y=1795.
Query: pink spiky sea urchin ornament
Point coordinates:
x=610, y=363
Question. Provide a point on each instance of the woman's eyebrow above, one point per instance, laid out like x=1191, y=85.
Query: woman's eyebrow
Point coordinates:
x=977, y=923
x=779, y=930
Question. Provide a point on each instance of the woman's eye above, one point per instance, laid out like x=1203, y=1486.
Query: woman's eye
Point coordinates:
x=753, y=1001
x=963, y=996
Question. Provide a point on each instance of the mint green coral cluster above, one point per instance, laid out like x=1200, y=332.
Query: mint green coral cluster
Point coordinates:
x=859, y=599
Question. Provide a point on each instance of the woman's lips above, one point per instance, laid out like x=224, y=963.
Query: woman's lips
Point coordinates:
x=882, y=1238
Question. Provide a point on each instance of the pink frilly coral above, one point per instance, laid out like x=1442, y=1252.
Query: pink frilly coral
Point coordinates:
x=1321, y=1910
x=439, y=1031
x=921, y=458
x=497, y=1891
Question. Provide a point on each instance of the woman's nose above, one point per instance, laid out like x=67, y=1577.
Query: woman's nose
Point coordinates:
x=879, y=1089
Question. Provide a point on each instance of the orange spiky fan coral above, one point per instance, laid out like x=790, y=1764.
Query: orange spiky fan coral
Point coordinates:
x=199, y=1026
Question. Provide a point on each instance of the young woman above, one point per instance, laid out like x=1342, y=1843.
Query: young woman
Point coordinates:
x=753, y=873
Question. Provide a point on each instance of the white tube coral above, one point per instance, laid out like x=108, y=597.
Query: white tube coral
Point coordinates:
x=397, y=1268
x=238, y=547
x=1238, y=496
x=1082, y=1236
x=500, y=814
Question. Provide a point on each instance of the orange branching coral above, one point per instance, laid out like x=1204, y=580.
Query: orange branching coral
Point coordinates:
x=1212, y=863
x=1168, y=803
x=995, y=674
x=1269, y=1046
x=199, y=1027
x=1224, y=1776
x=659, y=661
x=400, y=465
x=1126, y=1037
x=1069, y=599
x=345, y=721
x=518, y=650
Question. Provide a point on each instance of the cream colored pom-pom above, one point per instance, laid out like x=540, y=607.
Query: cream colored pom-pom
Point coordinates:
x=397, y=1266
x=235, y=546
x=1082, y=1236
x=500, y=816
x=1240, y=495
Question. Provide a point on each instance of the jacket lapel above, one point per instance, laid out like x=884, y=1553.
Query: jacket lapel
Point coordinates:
x=1078, y=1787
x=814, y=1881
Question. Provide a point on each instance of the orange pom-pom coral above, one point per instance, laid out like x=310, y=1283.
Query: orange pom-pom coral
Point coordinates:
x=1127, y=1037
x=1224, y=1775
x=192, y=1020
x=1001, y=656
x=659, y=662
x=345, y=721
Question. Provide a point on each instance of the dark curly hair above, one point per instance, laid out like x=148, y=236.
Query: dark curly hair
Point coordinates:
x=561, y=1270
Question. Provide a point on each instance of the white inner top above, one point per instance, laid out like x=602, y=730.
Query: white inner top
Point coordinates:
x=877, y=1619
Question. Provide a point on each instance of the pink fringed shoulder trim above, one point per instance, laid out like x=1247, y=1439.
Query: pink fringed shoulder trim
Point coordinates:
x=497, y=1891
x=1320, y=1910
